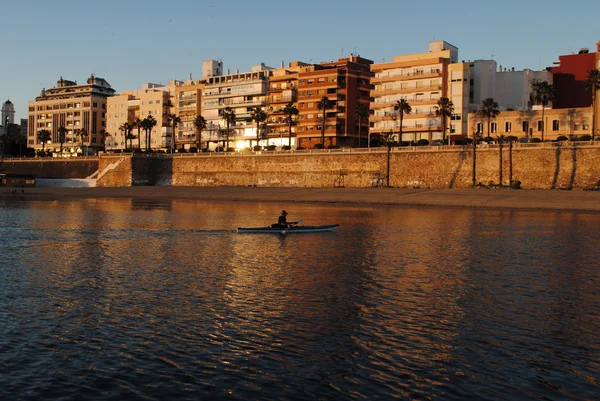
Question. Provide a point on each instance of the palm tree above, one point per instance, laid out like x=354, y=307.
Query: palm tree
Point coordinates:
x=130, y=136
x=402, y=107
x=592, y=83
x=138, y=124
x=147, y=124
x=444, y=110
x=229, y=118
x=200, y=125
x=258, y=115
x=174, y=120
x=489, y=109
x=83, y=135
x=543, y=93
x=44, y=136
x=62, y=132
x=324, y=104
x=103, y=136
x=361, y=113
x=290, y=111
x=125, y=128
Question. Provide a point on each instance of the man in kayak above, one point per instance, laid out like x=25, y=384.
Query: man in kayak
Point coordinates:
x=282, y=221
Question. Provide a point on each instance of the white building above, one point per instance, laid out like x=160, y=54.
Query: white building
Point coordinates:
x=510, y=88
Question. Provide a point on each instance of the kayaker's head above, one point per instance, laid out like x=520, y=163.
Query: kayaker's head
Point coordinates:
x=283, y=212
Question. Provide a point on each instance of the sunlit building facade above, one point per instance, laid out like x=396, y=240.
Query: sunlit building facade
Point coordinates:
x=421, y=79
x=76, y=107
x=129, y=106
x=346, y=82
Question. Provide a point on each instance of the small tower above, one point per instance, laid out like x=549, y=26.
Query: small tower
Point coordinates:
x=8, y=113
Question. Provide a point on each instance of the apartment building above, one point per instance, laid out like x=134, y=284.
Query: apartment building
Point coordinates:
x=188, y=103
x=510, y=88
x=76, y=107
x=129, y=106
x=421, y=79
x=346, y=82
x=570, y=123
x=283, y=89
x=240, y=91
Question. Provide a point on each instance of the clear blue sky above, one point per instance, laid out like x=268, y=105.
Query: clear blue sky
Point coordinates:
x=129, y=42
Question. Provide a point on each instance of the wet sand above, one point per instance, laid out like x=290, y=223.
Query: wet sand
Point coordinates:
x=480, y=198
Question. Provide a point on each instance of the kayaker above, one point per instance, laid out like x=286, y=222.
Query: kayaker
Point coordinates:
x=282, y=221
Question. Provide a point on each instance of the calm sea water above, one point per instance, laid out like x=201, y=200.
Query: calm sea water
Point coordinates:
x=137, y=300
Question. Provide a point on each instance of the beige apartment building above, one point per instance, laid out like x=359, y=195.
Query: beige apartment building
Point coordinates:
x=79, y=108
x=188, y=103
x=242, y=92
x=421, y=79
x=570, y=123
x=129, y=106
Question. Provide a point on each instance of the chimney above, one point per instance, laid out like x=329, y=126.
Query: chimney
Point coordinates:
x=500, y=68
x=282, y=64
x=598, y=46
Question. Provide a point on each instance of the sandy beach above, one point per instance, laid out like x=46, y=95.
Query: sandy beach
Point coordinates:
x=481, y=198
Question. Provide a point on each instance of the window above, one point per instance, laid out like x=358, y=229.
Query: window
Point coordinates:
x=555, y=125
x=540, y=125
x=479, y=128
x=525, y=126
x=508, y=127
x=494, y=127
x=321, y=80
x=576, y=127
x=586, y=126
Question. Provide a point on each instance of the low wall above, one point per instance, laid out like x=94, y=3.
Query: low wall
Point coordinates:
x=567, y=167
x=51, y=167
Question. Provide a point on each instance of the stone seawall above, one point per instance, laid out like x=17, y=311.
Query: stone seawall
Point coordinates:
x=561, y=167
x=51, y=167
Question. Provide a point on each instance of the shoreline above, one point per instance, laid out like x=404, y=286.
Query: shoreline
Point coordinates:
x=471, y=198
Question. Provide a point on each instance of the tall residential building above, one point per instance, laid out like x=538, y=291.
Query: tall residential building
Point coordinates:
x=242, y=92
x=76, y=107
x=421, y=79
x=346, y=82
x=188, y=103
x=128, y=106
x=283, y=89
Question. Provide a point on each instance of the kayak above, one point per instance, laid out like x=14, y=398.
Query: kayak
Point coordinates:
x=288, y=230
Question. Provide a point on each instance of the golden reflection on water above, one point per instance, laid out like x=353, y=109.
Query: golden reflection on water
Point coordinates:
x=405, y=291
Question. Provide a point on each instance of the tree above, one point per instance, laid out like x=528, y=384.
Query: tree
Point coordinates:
x=130, y=136
x=174, y=120
x=290, y=111
x=200, y=125
x=138, y=124
x=44, y=136
x=402, y=107
x=361, y=112
x=444, y=110
x=592, y=83
x=125, y=128
x=258, y=116
x=324, y=104
x=147, y=124
x=543, y=94
x=489, y=109
x=103, y=136
x=62, y=132
x=83, y=134
x=229, y=118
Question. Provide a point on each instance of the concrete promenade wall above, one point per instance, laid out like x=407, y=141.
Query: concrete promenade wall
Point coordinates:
x=549, y=167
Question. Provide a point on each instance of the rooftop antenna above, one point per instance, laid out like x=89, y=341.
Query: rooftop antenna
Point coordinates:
x=342, y=51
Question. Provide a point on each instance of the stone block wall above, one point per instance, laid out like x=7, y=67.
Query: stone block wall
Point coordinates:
x=565, y=167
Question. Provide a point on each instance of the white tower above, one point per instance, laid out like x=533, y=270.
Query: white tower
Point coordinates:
x=8, y=113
